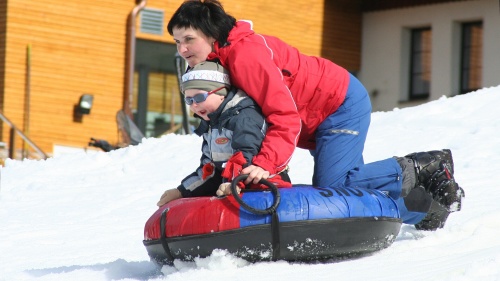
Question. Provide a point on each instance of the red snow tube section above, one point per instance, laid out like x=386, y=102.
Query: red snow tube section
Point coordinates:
x=298, y=223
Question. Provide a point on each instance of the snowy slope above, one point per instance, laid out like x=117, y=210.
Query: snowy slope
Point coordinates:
x=80, y=216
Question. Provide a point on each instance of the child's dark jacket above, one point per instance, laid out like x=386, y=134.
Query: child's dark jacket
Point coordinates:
x=237, y=125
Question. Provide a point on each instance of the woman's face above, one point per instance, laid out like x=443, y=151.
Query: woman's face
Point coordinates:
x=206, y=107
x=193, y=45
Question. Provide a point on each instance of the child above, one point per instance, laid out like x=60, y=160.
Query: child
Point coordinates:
x=232, y=127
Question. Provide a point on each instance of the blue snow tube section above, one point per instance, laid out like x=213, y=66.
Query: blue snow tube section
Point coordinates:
x=305, y=202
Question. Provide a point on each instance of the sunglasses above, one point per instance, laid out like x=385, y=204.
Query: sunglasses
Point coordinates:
x=201, y=97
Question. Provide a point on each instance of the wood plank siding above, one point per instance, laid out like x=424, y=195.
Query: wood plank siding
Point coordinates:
x=3, y=34
x=342, y=34
x=77, y=47
x=308, y=25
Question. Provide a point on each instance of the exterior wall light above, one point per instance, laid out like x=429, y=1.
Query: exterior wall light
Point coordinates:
x=85, y=104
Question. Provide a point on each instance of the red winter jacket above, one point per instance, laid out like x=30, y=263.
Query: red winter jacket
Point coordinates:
x=296, y=92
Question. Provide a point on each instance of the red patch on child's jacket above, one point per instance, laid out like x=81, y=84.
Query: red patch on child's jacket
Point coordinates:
x=221, y=140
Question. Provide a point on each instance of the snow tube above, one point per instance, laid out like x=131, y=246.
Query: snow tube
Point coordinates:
x=300, y=223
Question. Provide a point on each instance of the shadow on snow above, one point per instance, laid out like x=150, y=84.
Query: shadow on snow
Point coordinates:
x=116, y=270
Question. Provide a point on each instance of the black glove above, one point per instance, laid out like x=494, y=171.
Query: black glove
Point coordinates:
x=102, y=144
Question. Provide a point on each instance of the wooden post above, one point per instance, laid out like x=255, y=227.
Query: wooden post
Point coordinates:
x=12, y=143
x=27, y=98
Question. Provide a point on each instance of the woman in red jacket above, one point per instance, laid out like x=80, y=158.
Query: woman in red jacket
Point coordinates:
x=312, y=103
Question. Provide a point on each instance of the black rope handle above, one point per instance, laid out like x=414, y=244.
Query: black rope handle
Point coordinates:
x=272, y=187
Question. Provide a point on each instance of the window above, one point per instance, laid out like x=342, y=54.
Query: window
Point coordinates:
x=471, y=57
x=420, y=63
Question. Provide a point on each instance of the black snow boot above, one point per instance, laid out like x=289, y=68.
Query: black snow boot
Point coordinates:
x=435, y=218
x=434, y=171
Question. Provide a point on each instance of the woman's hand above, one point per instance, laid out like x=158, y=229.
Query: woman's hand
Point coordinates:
x=255, y=174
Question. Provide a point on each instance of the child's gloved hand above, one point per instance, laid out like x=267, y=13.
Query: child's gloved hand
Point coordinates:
x=168, y=196
x=225, y=189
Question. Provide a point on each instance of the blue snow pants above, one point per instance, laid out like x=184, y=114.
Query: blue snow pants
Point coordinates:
x=338, y=157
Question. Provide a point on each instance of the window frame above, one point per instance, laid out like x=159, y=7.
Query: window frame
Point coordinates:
x=413, y=71
x=466, y=50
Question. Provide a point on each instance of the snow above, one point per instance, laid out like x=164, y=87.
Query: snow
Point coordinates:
x=80, y=215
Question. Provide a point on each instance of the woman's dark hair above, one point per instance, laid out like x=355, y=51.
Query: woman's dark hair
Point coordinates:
x=208, y=16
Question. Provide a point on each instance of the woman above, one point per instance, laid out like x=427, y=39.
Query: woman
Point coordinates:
x=312, y=103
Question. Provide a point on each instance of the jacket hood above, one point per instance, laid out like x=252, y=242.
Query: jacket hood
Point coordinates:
x=242, y=29
x=235, y=101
